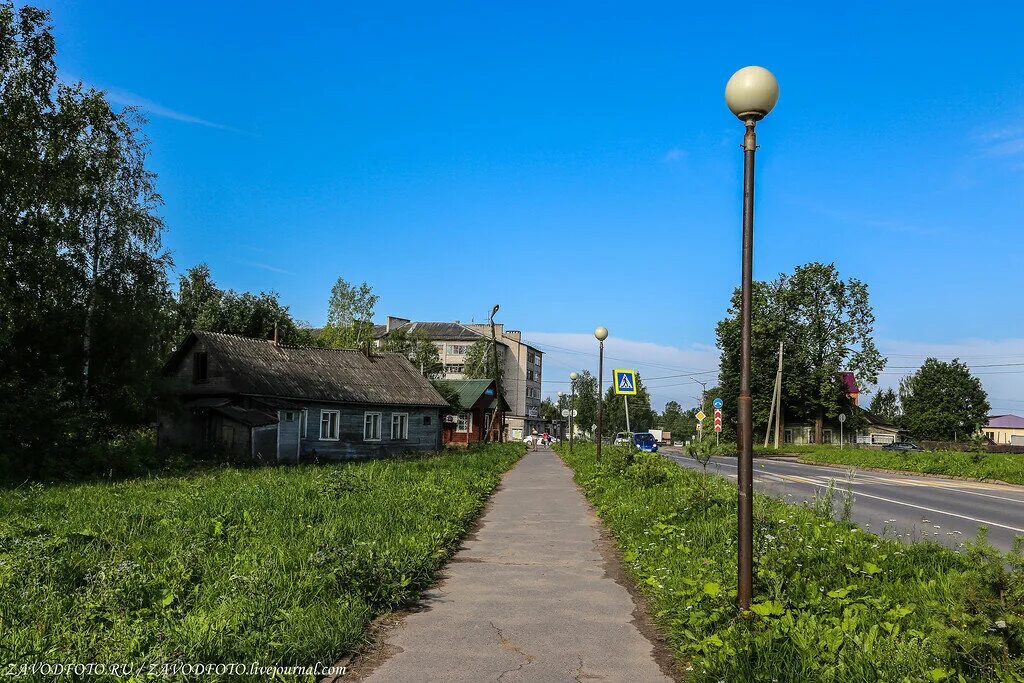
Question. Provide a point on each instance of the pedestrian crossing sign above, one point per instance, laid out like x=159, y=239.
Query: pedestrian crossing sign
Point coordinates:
x=625, y=382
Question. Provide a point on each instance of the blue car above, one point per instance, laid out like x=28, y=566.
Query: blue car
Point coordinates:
x=645, y=441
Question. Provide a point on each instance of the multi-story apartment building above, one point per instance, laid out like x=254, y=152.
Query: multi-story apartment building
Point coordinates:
x=522, y=364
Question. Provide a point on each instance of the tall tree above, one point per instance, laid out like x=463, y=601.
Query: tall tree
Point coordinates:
x=418, y=347
x=943, y=400
x=641, y=415
x=826, y=326
x=480, y=361
x=83, y=291
x=201, y=305
x=886, y=404
x=585, y=401
x=349, y=315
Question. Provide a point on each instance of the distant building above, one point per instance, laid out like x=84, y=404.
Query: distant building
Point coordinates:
x=1005, y=430
x=254, y=399
x=478, y=399
x=522, y=364
x=866, y=429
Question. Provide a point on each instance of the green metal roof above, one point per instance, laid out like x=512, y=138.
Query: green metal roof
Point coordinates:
x=470, y=391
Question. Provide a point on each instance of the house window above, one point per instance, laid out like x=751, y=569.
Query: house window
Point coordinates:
x=529, y=375
x=426, y=420
x=400, y=426
x=454, y=368
x=329, y=425
x=787, y=436
x=457, y=349
x=991, y=436
x=200, y=367
x=371, y=426
x=826, y=436
x=289, y=416
x=464, y=422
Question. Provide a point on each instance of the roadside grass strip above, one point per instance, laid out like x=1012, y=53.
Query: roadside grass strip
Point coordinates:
x=1008, y=467
x=279, y=566
x=831, y=603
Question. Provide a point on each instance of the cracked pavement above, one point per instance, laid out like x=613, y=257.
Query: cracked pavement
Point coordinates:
x=527, y=598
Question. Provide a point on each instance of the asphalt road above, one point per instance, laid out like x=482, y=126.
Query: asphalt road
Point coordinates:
x=909, y=507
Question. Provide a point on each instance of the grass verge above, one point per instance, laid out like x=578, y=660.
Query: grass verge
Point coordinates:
x=832, y=603
x=279, y=566
x=1008, y=467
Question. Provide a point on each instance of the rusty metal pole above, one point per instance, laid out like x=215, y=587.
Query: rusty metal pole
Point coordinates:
x=600, y=396
x=745, y=478
x=498, y=414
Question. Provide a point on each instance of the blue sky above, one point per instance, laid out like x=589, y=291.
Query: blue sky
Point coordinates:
x=577, y=164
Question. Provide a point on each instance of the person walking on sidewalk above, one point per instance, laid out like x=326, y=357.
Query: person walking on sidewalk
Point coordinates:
x=533, y=438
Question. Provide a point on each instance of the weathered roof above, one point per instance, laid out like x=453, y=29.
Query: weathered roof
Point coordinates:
x=469, y=392
x=437, y=331
x=1006, y=421
x=258, y=367
x=874, y=418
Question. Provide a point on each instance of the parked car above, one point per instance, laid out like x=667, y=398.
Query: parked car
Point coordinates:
x=645, y=441
x=902, y=446
x=623, y=438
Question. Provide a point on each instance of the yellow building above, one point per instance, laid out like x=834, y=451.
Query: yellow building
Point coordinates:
x=1005, y=430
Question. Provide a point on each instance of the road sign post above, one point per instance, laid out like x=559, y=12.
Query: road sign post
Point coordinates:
x=625, y=382
x=842, y=419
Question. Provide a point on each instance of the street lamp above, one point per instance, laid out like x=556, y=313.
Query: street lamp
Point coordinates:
x=497, y=378
x=750, y=94
x=572, y=400
x=601, y=333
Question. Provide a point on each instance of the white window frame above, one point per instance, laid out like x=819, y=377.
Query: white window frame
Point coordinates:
x=337, y=425
x=466, y=420
x=379, y=417
x=403, y=428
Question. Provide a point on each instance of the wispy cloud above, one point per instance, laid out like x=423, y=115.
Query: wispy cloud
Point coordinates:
x=674, y=154
x=867, y=220
x=1001, y=141
x=129, y=99
x=267, y=266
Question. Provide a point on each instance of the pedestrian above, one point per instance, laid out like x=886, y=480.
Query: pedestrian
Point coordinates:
x=547, y=438
x=533, y=438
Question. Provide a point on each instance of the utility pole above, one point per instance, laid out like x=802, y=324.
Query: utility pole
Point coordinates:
x=776, y=404
x=497, y=379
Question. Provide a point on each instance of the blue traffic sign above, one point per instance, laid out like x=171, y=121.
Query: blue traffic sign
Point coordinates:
x=625, y=382
x=718, y=404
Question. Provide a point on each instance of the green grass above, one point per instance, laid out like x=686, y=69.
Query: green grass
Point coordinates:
x=280, y=566
x=1008, y=467
x=832, y=603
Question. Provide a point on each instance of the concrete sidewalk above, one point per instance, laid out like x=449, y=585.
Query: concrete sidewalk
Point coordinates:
x=527, y=598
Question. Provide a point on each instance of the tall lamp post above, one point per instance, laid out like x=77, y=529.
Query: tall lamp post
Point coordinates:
x=572, y=401
x=497, y=378
x=601, y=333
x=750, y=94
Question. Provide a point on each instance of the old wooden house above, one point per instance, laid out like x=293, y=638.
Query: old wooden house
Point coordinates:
x=254, y=399
x=478, y=399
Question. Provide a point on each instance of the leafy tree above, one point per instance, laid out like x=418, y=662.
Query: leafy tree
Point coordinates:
x=549, y=411
x=84, y=293
x=418, y=347
x=886, y=404
x=943, y=400
x=349, y=315
x=585, y=401
x=825, y=325
x=480, y=361
x=641, y=415
x=201, y=305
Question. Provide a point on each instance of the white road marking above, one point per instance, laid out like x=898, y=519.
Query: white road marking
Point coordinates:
x=824, y=484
